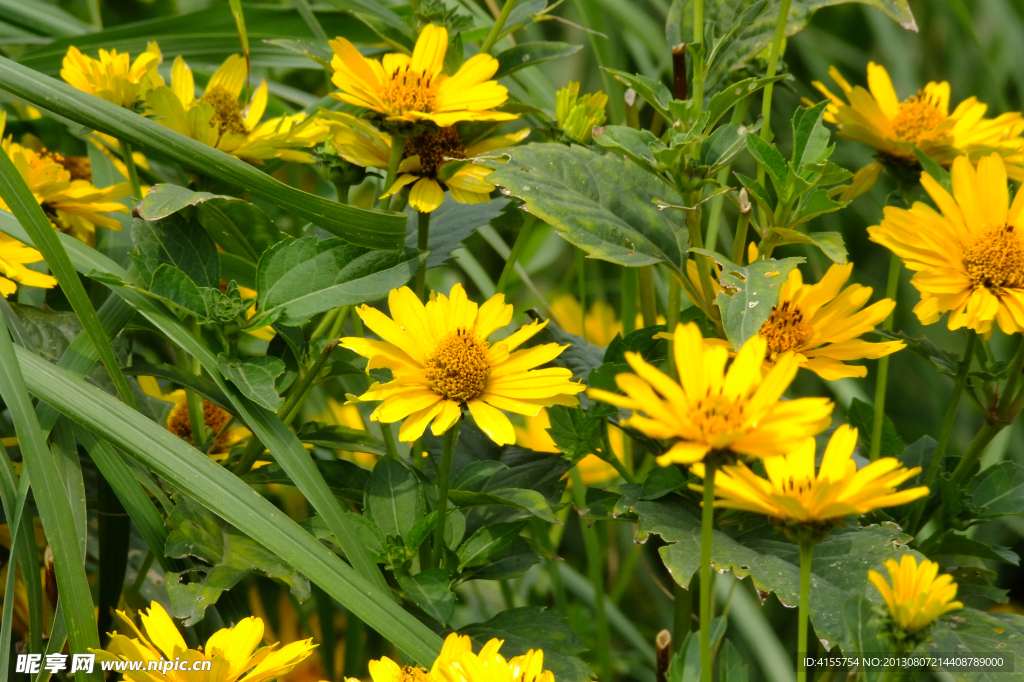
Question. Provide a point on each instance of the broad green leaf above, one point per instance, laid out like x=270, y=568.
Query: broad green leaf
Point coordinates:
x=998, y=490
x=864, y=631
x=976, y=631
x=173, y=286
x=722, y=102
x=638, y=145
x=731, y=667
x=862, y=416
x=431, y=591
x=475, y=473
x=255, y=377
x=228, y=554
x=449, y=225
x=815, y=204
x=173, y=240
x=369, y=228
x=685, y=664
x=296, y=280
x=768, y=156
x=951, y=544
x=810, y=136
x=393, y=497
x=722, y=146
x=486, y=542
x=830, y=243
x=528, y=500
x=661, y=481
x=531, y=627
x=511, y=563
x=602, y=204
x=575, y=435
x=528, y=54
x=651, y=91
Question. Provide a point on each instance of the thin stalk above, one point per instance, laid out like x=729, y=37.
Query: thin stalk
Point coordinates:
x=422, y=242
x=740, y=241
x=1012, y=380
x=648, y=300
x=739, y=112
x=495, y=33
x=626, y=570
x=707, y=517
x=629, y=287
x=397, y=146
x=581, y=281
x=592, y=544
x=353, y=646
x=613, y=458
x=444, y=473
x=981, y=440
x=806, y=550
x=882, y=380
x=196, y=417
x=133, y=172
x=773, y=63
x=513, y=256
x=672, y=319
x=698, y=63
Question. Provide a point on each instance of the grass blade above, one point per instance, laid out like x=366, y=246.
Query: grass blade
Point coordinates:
x=47, y=19
x=13, y=488
x=373, y=229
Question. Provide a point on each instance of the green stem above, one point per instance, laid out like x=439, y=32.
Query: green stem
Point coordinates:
x=648, y=300
x=882, y=380
x=389, y=440
x=981, y=440
x=397, y=146
x=806, y=550
x=196, y=411
x=595, y=571
x=707, y=518
x=353, y=665
x=581, y=281
x=629, y=287
x=1012, y=380
x=698, y=62
x=422, y=243
x=740, y=240
x=773, y=63
x=613, y=459
x=444, y=473
x=133, y=172
x=672, y=319
x=513, y=256
x=495, y=34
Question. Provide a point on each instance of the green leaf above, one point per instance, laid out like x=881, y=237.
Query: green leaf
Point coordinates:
x=602, y=204
x=393, y=497
x=531, y=627
x=950, y=544
x=344, y=478
x=488, y=541
x=475, y=473
x=810, y=136
x=176, y=241
x=528, y=500
x=998, y=490
x=528, y=54
x=255, y=377
x=449, y=225
x=721, y=102
x=865, y=633
x=173, y=286
x=862, y=416
x=722, y=146
x=932, y=168
x=341, y=438
x=299, y=279
x=768, y=156
x=638, y=145
x=661, y=481
x=431, y=591
x=511, y=563
x=49, y=20
x=976, y=631
x=365, y=227
x=229, y=555
x=575, y=435
x=830, y=243
x=815, y=204
x=651, y=91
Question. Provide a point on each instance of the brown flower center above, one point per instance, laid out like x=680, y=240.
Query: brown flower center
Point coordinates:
x=458, y=368
x=180, y=425
x=78, y=166
x=407, y=90
x=785, y=329
x=411, y=674
x=434, y=149
x=226, y=116
x=996, y=260
x=715, y=415
x=916, y=116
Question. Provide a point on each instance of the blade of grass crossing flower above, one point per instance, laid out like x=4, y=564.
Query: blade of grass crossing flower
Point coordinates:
x=52, y=502
x=365, y=227
x=26, y=209
x=227, y=496
x=14, y=492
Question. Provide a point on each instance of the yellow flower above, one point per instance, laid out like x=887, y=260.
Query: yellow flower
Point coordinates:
x=576, y=116
x=794, y=493
x=878, y=118
x=13, y=257
x=968, y=259
x=413, y=89
x=917, y=596
x=231, y=651
x=598, y=327
x=180, y=424
x=740, y=410
x=113, y=76
x=441, y=361
x=458, y=663
x=217, y=120
x=432, y=161
x=820, y=324
x=593, y=470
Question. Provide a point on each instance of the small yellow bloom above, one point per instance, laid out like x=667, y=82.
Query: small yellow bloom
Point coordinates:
x=13, y=257
x=877, y=117
x=458, y=663
x=413, y=89
x=740, y=410
x=794, y=493
x=576, y=116
x=180, y=423
x=442, y=361
x=917, y=597
x=593, y=470
x=432, y=162
x=113, y=76
x=217, y=120
x=231, y=651
x=968, y=260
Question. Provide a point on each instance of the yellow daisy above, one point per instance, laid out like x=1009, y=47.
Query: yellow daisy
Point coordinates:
x=460, y=664
x=820, y=324
x=593, y=470
x=877, y=117
x=14, y=256
x=232, y=652
x=216, y=118
x=918, y=594
x=179, y=423
x=968, y=260
x=432, y=162
x=113, y=76
x=793, y=492
x=740, y=410
x=442, y=361
x=413, y=89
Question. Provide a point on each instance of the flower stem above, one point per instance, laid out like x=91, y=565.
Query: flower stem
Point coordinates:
x=672, y=319
x=444, y=473
x=422, y=242
x=517, y=247
x=648, y=302
x=806, y=550
x=133, y=172
x=595, y=572
x=698, y=63
x=499, y=24
x=629, y=287
x=613, y=459
x=581, y=280
x=707, y=517
x=740, y=240
x=397, y=145
x=882, y=380
x=773, y=63
x=981, y=440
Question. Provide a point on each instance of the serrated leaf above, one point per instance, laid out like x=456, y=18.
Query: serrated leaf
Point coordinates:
x=486, y=542
x=638, y=145
x=174, y=286
x=575, y=435
x=174, y=240
x=722, y=146
x=661, y=481
x=431, y=591
x=950, y=543
x=393, y=497
x=255, y=377
x=998, y=490
x=721, y=102
x=768, y=156
x=973, y=631
x=528, y=54
x=815, y=204
x=511, y=563
x=529, y=500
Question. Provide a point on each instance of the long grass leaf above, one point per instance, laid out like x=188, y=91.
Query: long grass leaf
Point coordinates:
x=14, y=492
x=227, y=496
x=47, y=19
x=374, y=229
